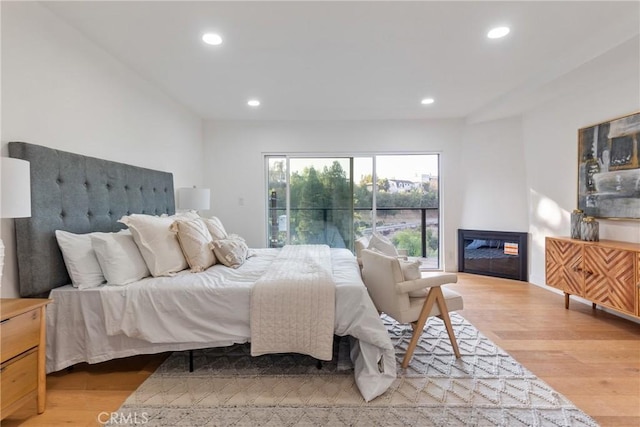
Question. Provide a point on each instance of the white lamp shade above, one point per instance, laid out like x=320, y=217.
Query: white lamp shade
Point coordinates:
x=194, y=198
x=16, y=188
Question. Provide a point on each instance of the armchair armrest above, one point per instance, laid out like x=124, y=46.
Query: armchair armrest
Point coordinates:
x=414, y=285
x=428, y=280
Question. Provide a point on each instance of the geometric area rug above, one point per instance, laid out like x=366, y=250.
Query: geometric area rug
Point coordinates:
x=485, y=387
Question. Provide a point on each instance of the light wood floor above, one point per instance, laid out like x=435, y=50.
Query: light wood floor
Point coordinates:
x=591, y=357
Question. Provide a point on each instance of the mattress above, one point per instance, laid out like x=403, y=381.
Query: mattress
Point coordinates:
x=208, y=309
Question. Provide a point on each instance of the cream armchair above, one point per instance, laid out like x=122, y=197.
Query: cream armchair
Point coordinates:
x=410, y=301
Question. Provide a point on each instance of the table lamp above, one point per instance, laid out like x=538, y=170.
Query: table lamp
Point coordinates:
x=194, y=198
x=15, y=191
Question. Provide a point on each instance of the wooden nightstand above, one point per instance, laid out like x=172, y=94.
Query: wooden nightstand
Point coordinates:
x=23, y=350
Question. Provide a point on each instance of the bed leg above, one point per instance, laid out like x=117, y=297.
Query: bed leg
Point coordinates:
x=319, y=364
x=190, y=360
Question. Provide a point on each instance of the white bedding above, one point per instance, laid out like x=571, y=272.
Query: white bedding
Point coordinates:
x=209, y=309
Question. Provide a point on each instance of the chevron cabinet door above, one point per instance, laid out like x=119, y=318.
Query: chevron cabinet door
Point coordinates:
x=610, y=278
x=563, y=266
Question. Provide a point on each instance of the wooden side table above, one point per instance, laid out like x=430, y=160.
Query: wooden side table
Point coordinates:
x=23, y=350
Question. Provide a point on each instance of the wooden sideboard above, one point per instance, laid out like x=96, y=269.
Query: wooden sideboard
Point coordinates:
x=607, y=273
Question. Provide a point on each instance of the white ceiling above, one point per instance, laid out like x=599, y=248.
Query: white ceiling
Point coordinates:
x=357, y=60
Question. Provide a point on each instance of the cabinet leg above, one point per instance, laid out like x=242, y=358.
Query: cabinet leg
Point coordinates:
x=566, y=300
x=593, y=305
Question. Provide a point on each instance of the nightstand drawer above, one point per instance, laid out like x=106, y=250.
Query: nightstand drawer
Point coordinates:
x=19, y=379
x=19, y=334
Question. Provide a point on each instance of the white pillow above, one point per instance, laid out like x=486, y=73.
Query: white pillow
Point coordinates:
x=411, y=271
x=216, y=229
x=157, y=243
x=195, y=241
x=232, y=251
x=360, y=244
x=119, y=258
x=383, y=245
x=80, y=259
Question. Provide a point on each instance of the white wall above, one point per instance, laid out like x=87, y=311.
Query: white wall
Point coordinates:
x=608, y=87
x=482, y=178
x=234, y=153
x=61, y=90
x=494, y=195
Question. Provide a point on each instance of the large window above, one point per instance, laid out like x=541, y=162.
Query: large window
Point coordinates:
x=335, y=200
x=311, y=201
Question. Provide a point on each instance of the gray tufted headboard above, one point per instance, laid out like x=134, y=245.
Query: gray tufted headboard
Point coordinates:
x=79, y=194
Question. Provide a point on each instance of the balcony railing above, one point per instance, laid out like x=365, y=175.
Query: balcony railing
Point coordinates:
x=429, y=218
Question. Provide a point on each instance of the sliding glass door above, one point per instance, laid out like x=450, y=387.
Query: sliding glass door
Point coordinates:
x=311, y=201
x=407, y=204
x=335, y=200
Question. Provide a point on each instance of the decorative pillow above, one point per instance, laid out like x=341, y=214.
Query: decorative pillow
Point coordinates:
x=215, y=227
x=80, y=259
x=195, y=241
x=411, y=271
x=157, y=243
x=383, y=245
x=232, y=251
x=361, y=244
x=119, y=258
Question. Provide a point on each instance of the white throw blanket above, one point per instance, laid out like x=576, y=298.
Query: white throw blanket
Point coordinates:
x=293, y=304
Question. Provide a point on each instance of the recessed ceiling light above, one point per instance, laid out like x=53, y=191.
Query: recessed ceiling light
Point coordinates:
x=212, y=39
x=498, y=32
x=427, y=101
x=253, y=103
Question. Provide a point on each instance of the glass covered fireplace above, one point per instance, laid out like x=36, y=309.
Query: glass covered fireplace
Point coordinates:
x=493, y=253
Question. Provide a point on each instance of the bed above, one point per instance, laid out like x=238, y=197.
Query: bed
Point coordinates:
x=82, y=194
